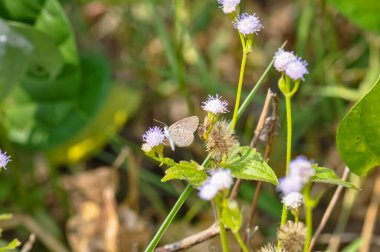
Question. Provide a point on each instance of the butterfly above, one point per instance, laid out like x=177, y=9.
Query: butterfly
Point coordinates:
x=181, y=133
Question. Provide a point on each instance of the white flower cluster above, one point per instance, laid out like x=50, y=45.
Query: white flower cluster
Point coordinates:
x=153, y=137
x=248, y=24
x=228, y=6
x=215, y=105
x=220, y=180
x=4, y=159
x=293, y=200
x=300, y=172
x=288, y=62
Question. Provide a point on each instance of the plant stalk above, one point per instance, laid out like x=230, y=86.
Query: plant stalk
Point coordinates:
x=284, y=212
x=308, y=216
x=157, y=237
x=241, y=243
x=222, y=230
x=240, y=84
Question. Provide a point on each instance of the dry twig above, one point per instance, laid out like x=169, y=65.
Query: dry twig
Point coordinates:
x=370, y=219
x=29, y=243
x=268, y=149
x=192, y=240
x=259, y=128
x=328, y=211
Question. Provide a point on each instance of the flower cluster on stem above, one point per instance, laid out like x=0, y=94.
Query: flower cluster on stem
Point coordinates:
x=4, y=159
x=220, y=179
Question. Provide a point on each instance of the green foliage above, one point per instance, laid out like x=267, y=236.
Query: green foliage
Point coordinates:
x=363, y=14
x=15, y=52
x=190, y=171
x=59, y=93
x=11, y=246
x=358, y=137
x=231, y=215
x=247, y=163
x=327, y=175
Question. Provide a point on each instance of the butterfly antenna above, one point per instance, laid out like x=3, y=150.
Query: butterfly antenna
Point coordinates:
x=160, y=122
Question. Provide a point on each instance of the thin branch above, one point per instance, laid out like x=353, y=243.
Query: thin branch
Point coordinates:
x=268, y=149
x=371, y=215
x=328, y=211
x=259, y=128
x=29, y=244
x=192, y=240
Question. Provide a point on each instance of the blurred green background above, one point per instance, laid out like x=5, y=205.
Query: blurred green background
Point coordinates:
x=81, y=81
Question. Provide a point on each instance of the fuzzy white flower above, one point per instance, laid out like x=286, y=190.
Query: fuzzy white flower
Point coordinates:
x=221, y=179
x=207, y=191
x=228, y=6
x=4, y=159
x=290, y=184
x=296, y=69
x=153, y=137
x=293, y=200
x=248, y=24
x=302, y=168
x=215, y=105
x=282, y=59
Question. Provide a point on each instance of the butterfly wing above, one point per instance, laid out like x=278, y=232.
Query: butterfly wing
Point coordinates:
x=189, y=123
x=181, y=132
x=181, y=137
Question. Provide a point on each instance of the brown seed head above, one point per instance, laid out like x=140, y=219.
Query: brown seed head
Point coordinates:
x=270, y=247
x=221, y=140
x=292, y=236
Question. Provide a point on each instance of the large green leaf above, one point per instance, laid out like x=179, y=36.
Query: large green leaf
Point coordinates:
x=364, y=14
x=59, y=94
x=358, y=137
x=15, y=53
x=190, y=171
x=247, y=163
x=327, y=175
x=44, y=113
x=46, y=59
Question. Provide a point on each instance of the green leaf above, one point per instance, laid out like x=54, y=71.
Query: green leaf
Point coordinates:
x=358, y=136
x=15, y=53
x=190, y=171
x=11, y=246
x=327, y=175
x=59, y=94
x=363, y=14
x=42, y=113
x=46, y=57
x=247, y=163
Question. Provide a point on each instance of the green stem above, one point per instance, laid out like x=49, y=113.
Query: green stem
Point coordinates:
x=153, y=243
x=288, y=144
x=240, y=241
x=308, y=216
x=289, y=132
x=240, y=84
x=222, y=231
